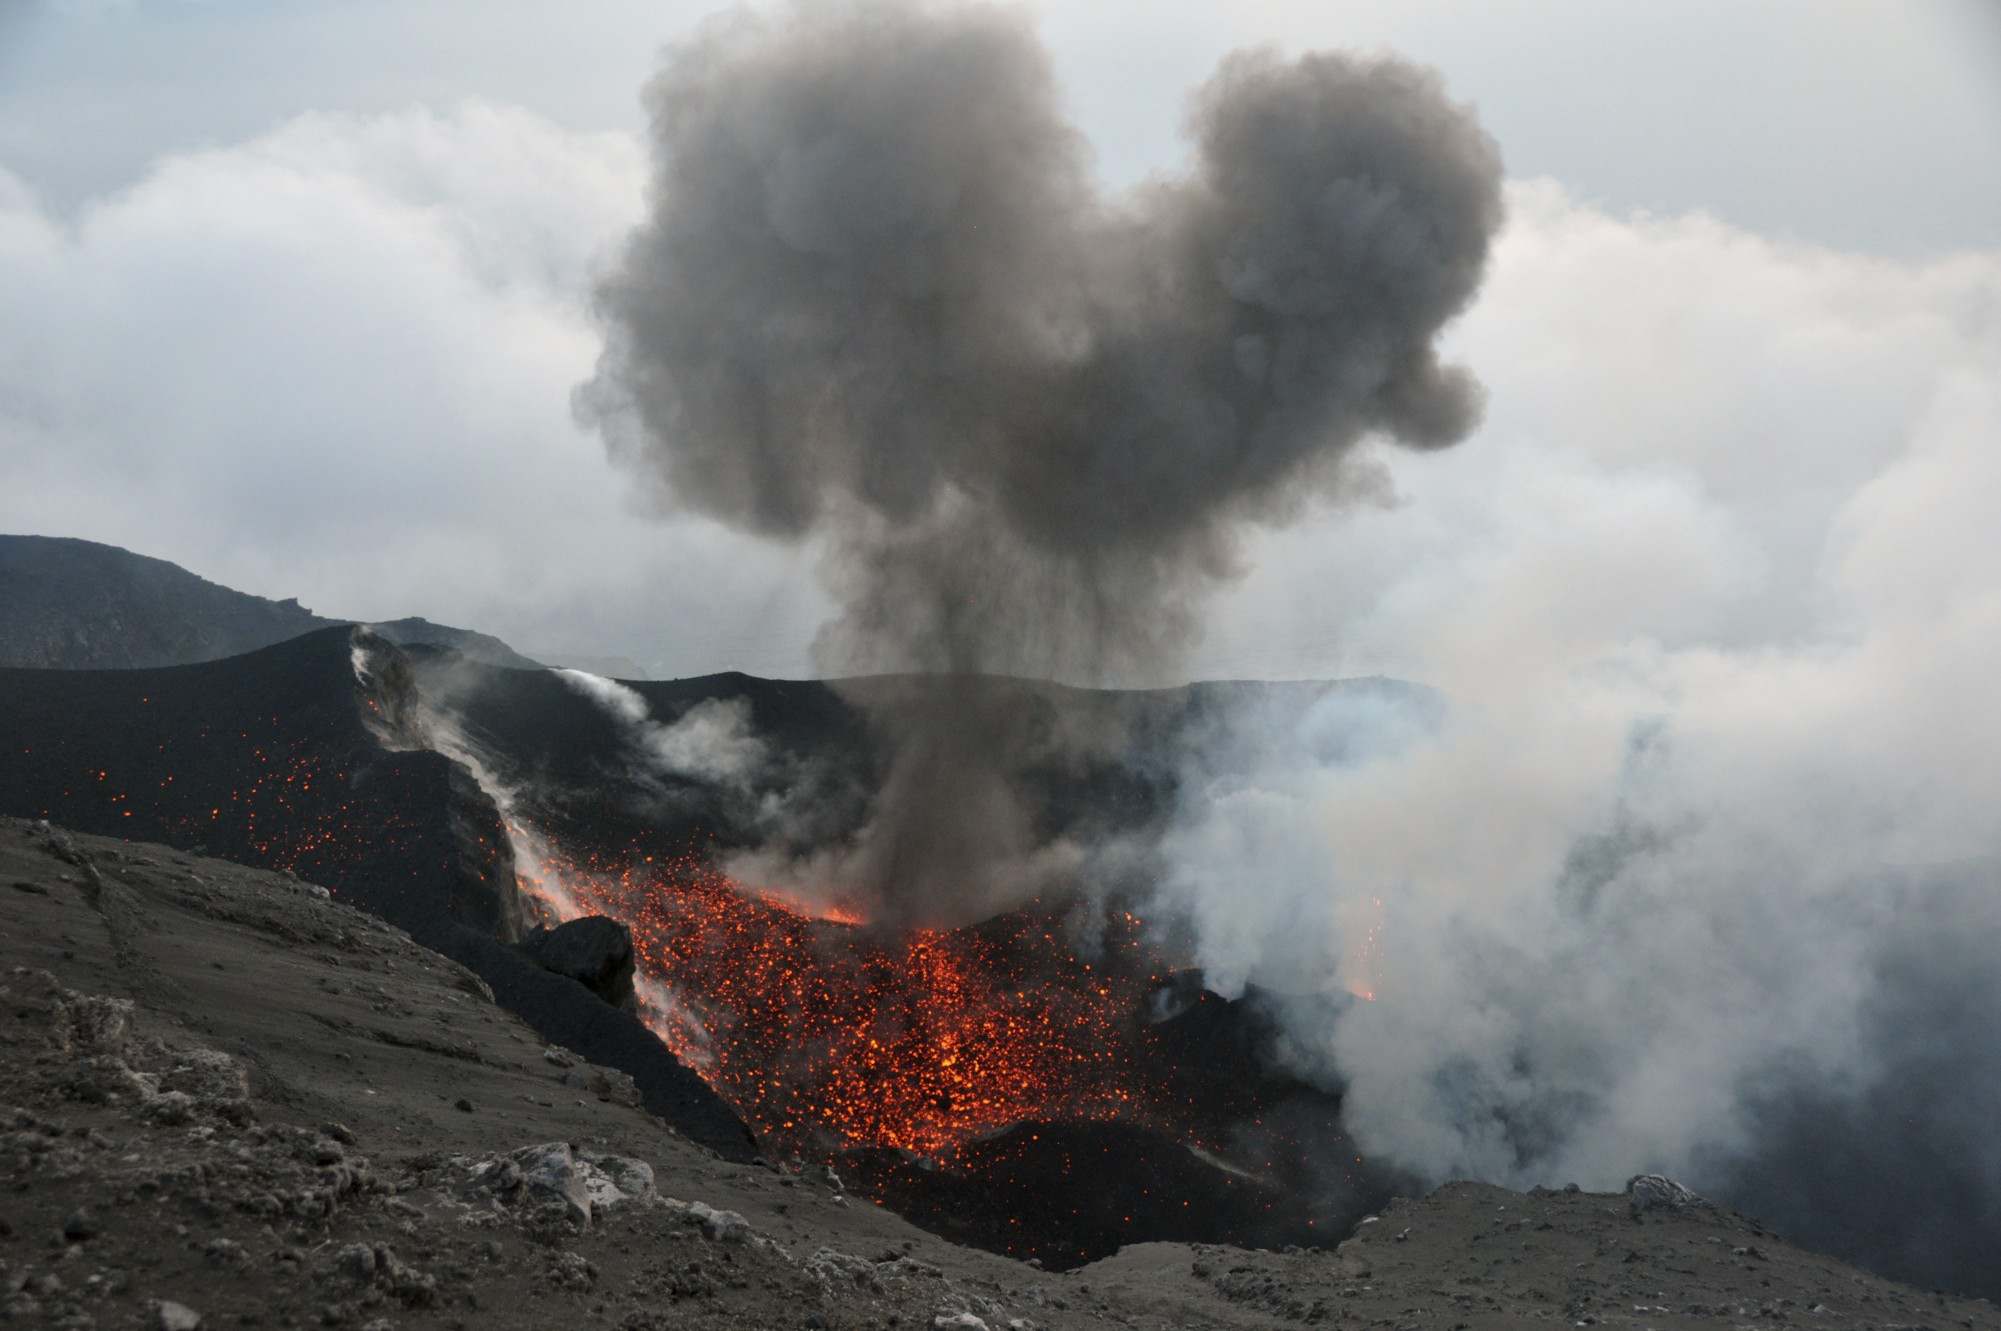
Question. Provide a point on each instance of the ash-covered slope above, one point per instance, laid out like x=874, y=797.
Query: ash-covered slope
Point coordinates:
x=285, y=758
x=264, y=758
x=230, y=1095
x=70, y=604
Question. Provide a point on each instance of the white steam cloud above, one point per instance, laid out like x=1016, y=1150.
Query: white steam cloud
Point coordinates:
x=1705, y=827
x=712, y=741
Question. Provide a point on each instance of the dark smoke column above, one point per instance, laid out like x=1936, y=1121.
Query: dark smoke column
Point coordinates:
x=879, y=301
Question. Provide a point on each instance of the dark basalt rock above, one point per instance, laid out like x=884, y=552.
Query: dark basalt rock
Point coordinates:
x=1069, y=1193
x=595, y=951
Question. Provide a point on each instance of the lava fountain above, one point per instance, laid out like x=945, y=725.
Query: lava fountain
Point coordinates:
x=827, y=1034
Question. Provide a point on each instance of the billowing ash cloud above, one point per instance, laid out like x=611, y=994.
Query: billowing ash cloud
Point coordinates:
x=878, y=303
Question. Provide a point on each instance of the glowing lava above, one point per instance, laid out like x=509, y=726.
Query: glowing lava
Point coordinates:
x=826, y=1034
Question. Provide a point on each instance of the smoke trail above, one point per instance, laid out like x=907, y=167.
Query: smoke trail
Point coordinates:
x=711, y=742
x=878, y=303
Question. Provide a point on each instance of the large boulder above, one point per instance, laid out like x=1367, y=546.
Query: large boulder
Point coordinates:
x=585, y=1183
x=1658, y=1192
x=594, y=951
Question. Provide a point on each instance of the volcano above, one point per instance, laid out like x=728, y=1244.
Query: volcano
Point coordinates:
x=1051, y=1081
x=1006, y=1078
x=996, y=1082
x=1009, y=1081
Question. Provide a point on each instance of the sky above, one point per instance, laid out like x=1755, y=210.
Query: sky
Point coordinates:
x=298, y=293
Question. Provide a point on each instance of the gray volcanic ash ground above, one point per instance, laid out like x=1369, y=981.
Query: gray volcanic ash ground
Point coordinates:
x=230, y=1101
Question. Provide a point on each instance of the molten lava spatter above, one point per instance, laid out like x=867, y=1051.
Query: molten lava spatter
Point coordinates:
x=826, y=1034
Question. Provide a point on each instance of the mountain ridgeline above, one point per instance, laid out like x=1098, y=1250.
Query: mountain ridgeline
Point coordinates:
x=68, y=604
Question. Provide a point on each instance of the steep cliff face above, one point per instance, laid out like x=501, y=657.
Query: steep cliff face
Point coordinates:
x=476, y=884
x=77, y=605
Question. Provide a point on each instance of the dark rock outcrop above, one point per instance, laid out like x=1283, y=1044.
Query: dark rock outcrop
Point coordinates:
x=595, y=951
x=564, y=1013
x=1658, y=1192
x=269, y=759
x=1068, y=1193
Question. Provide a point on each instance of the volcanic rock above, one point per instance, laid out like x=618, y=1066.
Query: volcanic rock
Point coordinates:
x=613, y=1180
x=276, y=758
x=722, y=1226
x=1658, y=1192
x=207, y=1075
x=585, y=1183
x=171, y=1316
x=356, y=1261
x=1070, y=1193
x=594, y=951
x=552, y=1171
x=608, y=1084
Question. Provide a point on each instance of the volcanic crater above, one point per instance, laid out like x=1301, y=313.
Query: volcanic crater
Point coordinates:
x=1045, y=1082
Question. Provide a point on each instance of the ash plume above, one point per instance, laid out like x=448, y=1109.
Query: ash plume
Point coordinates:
x=880, y=305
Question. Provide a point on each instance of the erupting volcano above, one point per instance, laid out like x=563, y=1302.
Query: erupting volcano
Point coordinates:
x=1043, y=1077
x=1212, y=771
x=828, y=1035
x=1041, y=1082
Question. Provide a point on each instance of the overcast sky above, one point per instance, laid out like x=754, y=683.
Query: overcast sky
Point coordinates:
x=296, y=293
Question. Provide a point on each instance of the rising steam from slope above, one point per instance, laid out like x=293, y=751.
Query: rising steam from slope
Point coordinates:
x=713, y=745
x=879, y=303
x=713, y=741
x=1669, y=886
